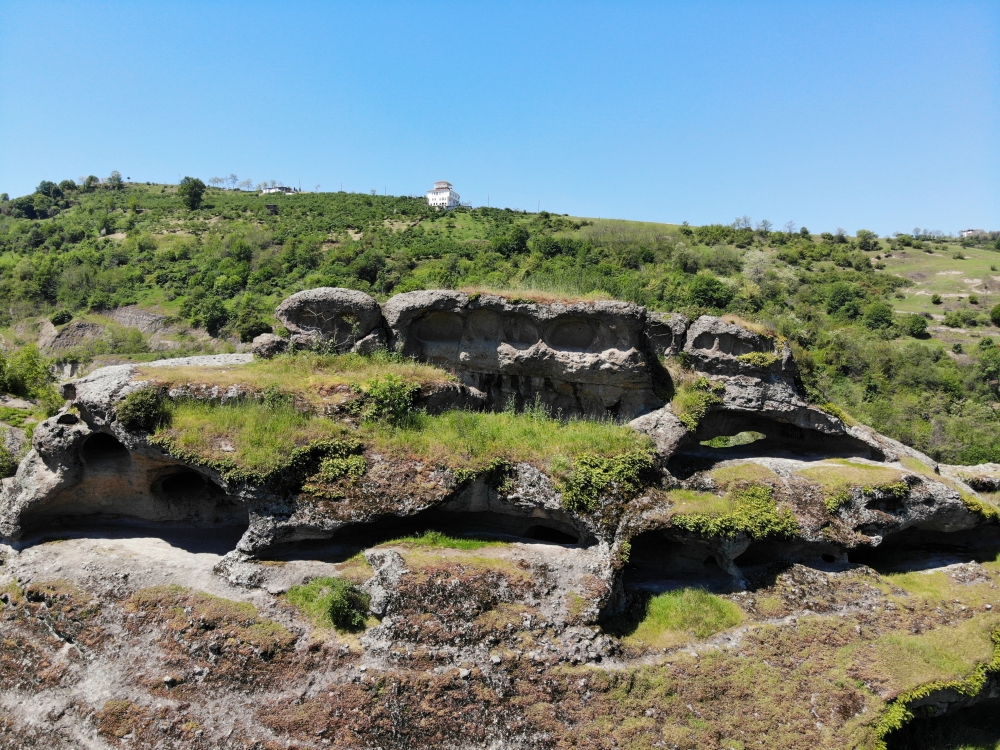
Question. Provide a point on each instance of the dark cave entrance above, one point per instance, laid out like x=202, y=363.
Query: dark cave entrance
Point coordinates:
x=102, y=451
x=718, y=430
x=661, y=561
x=922, y=549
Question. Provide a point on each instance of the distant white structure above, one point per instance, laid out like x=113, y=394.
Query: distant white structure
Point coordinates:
x=442, y=196
x=971, y=232
x=280, y=189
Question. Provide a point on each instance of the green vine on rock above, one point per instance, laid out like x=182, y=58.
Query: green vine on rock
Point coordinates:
x=692, y=402
x=899, y=713
x=754, y=513
x=594, y=476
x=497, y=474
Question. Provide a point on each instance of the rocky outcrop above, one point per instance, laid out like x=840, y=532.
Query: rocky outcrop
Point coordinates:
x=583, y=358
x=75, y=333
x=133, y=316
x=597, y=359
x=341, y=318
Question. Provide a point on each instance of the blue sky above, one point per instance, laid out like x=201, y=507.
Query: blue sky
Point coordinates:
x=831, y=114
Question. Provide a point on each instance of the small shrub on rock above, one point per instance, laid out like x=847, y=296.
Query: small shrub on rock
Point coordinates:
x=593, y=476
x=331, y=602
x=388, y=399
x=143, y=410
x=61, y=318
x=8, y=466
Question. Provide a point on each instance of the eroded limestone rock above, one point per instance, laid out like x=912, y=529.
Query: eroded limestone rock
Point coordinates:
x=583, y=358
x=341, y=317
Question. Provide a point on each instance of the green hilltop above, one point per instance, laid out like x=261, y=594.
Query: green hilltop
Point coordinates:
x=895, y=332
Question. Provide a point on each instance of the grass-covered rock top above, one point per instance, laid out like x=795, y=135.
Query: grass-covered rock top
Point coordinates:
x=335, y=408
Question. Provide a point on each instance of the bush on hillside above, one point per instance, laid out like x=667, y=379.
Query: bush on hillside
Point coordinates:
x=143, y=410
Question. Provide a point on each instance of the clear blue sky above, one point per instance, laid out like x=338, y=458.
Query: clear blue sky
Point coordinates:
x=880, y=115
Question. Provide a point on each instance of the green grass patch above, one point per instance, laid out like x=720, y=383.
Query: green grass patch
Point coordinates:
x=677, y=616
x=693, y=399
x=246, y=434
x=753, y=512
x=307, y=375
x=689, y=502
x=728, y=476
x=332, y=603
x=472, y=440
x=838, y=477
x=436, y=540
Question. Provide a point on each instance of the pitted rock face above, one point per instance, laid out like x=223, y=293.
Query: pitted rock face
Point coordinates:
x=727, y=349
x=584, y=358
x=341, y=316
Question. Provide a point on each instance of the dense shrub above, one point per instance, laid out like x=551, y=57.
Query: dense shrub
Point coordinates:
x=143, y=410
x=331, y=602
x=387, y=399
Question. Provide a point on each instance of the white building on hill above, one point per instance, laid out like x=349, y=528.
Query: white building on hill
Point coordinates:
x=442, y=196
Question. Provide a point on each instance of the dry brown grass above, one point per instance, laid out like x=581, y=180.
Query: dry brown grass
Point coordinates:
x=540, y=296
x=763, y=329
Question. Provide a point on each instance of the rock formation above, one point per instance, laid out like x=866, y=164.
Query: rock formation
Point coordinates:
x=820, y=492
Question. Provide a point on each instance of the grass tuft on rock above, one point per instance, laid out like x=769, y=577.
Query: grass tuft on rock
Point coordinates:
x=474, y=440
x=438, y=540
x=307, y=375
x=249, y=434
x=331, y=602
x=678, y=616
x=753, y=512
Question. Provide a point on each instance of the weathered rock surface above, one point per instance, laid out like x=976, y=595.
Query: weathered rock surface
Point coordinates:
x=133, y=316
x=74, y=333
x=342, y=317
x=268, y=346
x=583, y=358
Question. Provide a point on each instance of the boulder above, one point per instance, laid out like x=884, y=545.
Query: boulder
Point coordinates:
x=723, y=348
x=329, y=315
x=268, y=346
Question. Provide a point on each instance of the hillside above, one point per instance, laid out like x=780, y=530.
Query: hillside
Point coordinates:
x=111, y=271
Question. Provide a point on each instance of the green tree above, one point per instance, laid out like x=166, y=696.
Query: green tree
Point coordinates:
x=867, y=240
x=878, y=316
x=995, y=315
x=191, y=191
x=115, y=181
x=708, y=291
x=915, y=325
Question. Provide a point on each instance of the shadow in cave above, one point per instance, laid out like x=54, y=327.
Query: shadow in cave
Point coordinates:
x=660, y=561
x=977, y=726
x=919, y=549
x=771, y=438
x=214, y=540
x=484, y=525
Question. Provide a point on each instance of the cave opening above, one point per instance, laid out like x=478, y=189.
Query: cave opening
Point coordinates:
x=923, y=549
x=730, y=434
x=101, y=449
x=661, y=561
